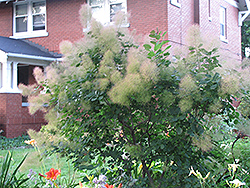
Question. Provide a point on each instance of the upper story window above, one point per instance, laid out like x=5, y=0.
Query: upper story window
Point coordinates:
x=29, y=19
x=176, y=3
x=209, y=10
x=105, y=10
x=223, y=26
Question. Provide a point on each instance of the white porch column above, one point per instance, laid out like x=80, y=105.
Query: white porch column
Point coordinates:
x=9, y=77
x=44, y=70
x=14, y=79
x=6, y=77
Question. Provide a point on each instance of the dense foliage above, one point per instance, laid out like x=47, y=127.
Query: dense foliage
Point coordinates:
x=129, y=107
x=245, y=37
x=13, y=143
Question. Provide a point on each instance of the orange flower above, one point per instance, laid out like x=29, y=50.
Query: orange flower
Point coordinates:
x=120, y=185
x=51, y=174
x=31, y=142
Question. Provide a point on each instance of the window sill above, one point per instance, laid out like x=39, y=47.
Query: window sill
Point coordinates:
x=25, y=104
x=223, y=39
x=85, y=30
x=176, y=4
x=9, y=90
x=30, y=35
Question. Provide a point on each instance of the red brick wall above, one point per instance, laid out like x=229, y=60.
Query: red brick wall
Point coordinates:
x=63, y=23
x=15, y=120
x=180, y=20
x=6, y=19
x=63, y=20
x=147, y=15
x=231, y=49
x=11, y=113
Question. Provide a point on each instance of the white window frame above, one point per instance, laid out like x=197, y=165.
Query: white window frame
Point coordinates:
x=223, y=24
x=209, y=11
x=176, y=3
x=30, y=33
x=104, y=16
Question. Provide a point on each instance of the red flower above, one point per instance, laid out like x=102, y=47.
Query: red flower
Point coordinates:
x=112, y=186
x=51, y=174
x=109, y=186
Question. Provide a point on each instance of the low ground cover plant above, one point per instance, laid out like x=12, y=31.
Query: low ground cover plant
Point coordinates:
x=13, y=143
x=9, y=176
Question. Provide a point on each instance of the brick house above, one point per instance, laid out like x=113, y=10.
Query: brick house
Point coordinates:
x=31, y=31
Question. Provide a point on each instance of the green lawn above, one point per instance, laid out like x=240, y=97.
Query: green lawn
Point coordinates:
x=34, y=162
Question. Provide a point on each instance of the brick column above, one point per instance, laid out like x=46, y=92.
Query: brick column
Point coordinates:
x=10, y=114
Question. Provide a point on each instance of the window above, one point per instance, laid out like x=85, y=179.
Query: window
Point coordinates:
x=209, y=10
x=176, y=3
x=197, y=12
x=223, y=27
x=29, y=19
x=105, y=10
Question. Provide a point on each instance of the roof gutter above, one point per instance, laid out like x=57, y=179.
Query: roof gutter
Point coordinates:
x=233, y=3
x=33, y=57
x=5, y=1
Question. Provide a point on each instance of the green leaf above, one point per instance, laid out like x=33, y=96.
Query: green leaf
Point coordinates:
x=191, y=48
x=213, y=86
x=179, y=130
x=147, y=47
x=164, y=33
x=157, y=47
x=151, y=54
x=158, y=37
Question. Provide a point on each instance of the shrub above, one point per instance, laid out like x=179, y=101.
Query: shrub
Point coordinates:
x=130, y=106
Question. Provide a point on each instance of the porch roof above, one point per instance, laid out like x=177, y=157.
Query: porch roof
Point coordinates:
x=25, y=48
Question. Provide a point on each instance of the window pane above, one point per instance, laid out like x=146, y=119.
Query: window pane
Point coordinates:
x=99, y=14
x=21, y=24
x=222, y=30
x=39, y=22
x=114, y=9
x=95, y=2
x=222, y=15
x=38, y=8
x=21, y=10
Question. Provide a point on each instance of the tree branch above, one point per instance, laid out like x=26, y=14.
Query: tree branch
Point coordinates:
x=145, y=169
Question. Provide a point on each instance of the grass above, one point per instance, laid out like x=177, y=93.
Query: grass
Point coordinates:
x=33, y=161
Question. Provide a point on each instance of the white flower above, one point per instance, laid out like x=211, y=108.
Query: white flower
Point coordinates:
x=237, y=183
x=192, y=172
x=234, y=166
x=207, y=175
x=198, y=174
